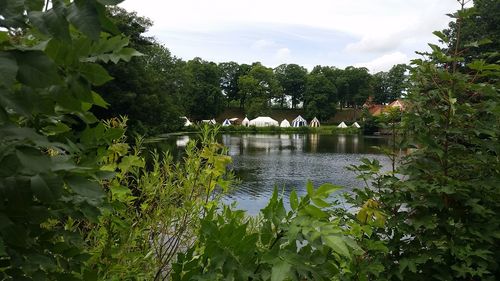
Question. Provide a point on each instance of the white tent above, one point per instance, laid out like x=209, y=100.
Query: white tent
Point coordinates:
x=263, y=122
x=355, y=124
x=314, y=122
x=245, y=122
x=299, y=122
x=186, y=121
x=342, y=125
x=226, y=123
x=284, y=124
x=211, y=121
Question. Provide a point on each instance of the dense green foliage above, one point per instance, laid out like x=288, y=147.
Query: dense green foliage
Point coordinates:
x=154, y=212
x=146, y=89
x=293, y=79
x=389, y=86
x=320, y=98
x=76, y=201
x=302, y=243
x=51, y=145
x=441, y=219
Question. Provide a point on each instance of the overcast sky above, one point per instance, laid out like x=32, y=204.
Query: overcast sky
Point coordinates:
x=372, y=33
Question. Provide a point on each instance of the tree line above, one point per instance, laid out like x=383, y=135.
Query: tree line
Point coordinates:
x=154, y=90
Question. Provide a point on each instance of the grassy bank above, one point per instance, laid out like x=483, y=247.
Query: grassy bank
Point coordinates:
x=329, y=129
x=346, y=115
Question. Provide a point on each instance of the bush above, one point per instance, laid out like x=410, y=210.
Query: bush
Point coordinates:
x=441, y=220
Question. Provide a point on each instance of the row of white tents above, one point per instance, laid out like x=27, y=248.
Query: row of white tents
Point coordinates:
x=268, y=121
x=264, y=121
x=343, y=125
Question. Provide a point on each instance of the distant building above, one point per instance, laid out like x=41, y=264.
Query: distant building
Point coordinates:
x=377, y=109
x=398, y=103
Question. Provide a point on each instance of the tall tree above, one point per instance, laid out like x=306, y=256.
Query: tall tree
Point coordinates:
x=293, y=79
x=380, y=87
x=320, y=99
x=358, y=84
x=479, y=31
x=205, y=99
x=146, y=84
x=229, y=80
x=258, y=88
x=389, y=86
x=397, y=81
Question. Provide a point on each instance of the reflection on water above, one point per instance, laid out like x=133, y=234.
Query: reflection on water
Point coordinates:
x=263, y=161
x=182, y=141
x=288, y=161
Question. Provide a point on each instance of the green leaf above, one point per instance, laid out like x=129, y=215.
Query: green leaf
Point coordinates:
x=294, y=201
x=310, y=188
x=327, y=188
x=8, y=69
x=441, y=36
x=12, y=13
x=280, y=271
x=95, y=73
x=130, y=161
x=125, y=54
x=40, y=189
x=98, y=100
x=83, y=15
x=315, y=211
x=107, y=24
x=121, y=193
x=36, y=69
x=87, y=188
x=33, y=161
x=337, y=244
x=320, y=202
x=50, y=23
x=56, y=129
x=35, y=5
x=61, y=52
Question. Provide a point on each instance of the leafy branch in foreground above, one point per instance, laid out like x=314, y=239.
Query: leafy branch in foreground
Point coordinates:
x=306, y=242
x=49, y=176
x=152, y=212
x=441, y=218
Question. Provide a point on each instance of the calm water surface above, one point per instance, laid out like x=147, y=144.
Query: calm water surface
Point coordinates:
x=288, y=161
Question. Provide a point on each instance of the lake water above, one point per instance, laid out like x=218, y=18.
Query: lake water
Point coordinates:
x=288, y=161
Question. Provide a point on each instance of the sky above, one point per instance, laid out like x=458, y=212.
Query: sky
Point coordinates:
x=364, y=33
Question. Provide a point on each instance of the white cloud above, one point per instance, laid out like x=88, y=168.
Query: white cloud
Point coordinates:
x=376, y=44
x=283, y=54
x=263, y=44
x=385, y=62
x=376, y=29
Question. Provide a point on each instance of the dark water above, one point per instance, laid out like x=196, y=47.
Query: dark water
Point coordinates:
x=288, y=161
